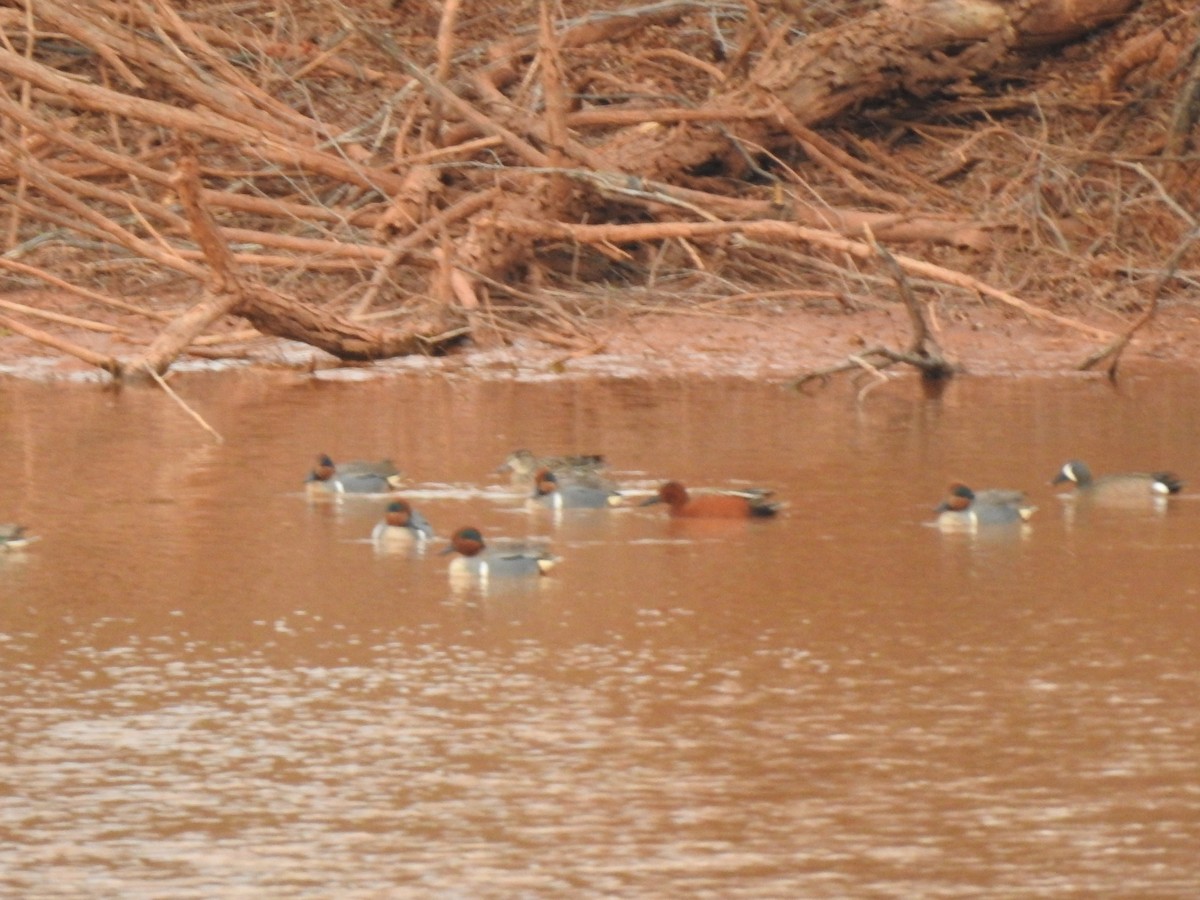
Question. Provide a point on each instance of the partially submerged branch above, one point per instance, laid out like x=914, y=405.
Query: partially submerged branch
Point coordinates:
x=923, y=353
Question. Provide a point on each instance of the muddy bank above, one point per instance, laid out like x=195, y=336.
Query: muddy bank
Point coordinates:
x=775, y=345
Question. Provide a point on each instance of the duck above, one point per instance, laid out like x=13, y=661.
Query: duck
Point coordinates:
x=13, y=537
x=523, y=465
x=477, y=562
x=401, y=524
x=548, y=493
x=966, y=510
x=358, y=477
x=1127, y=486
x=723, y=505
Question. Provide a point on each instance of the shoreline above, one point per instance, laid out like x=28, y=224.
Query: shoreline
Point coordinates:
x=766, y=345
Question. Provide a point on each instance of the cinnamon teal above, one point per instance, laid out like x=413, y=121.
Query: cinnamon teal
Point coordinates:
x=723, y=505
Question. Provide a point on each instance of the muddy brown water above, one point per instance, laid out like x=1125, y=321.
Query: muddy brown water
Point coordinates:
x=214, y=687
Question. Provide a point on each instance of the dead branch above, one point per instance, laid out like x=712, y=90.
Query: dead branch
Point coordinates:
x=618, y=234
x=93, y=296
x=228, y=291
x=199, y=419
x=838, y=163
x=222, y=293
x=204, y=123
x=1187, y=107
x=405, y=244
x=285, y=317
x=923, y=352
x=91, y=357
x=1113, y=350
x=573, y=139
x=76, y=321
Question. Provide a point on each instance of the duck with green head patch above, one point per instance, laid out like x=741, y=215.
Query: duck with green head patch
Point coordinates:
x=967, y=510
x=550, y=494
x=401, y=525
x=478, y=562
x=357, y=477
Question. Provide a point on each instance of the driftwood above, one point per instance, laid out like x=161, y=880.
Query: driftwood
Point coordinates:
x=215, y=152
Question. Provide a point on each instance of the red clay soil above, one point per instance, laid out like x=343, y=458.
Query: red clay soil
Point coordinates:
x=980, y=341
x=772, y=344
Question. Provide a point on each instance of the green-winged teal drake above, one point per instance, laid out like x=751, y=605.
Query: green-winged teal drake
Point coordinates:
x=401, y=524
x=966, y=510
x=549, y=493
x=357, y=477
x=478, y=562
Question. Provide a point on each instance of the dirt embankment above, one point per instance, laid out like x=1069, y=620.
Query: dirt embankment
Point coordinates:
x=675, y=187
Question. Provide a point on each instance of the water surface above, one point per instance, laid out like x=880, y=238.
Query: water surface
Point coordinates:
x=215, y=687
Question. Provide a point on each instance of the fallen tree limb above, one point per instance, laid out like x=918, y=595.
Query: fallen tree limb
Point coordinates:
x=894, y=227
x=784, y=231
x=222, y=293
x=228, y=291
x=195, y=416
x=76, y=321
x=923, y=353
x=93, y=296
x=91, y=357
x=204, y=123
x=288, y=318
x=405, y=244
x=1113, y=350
